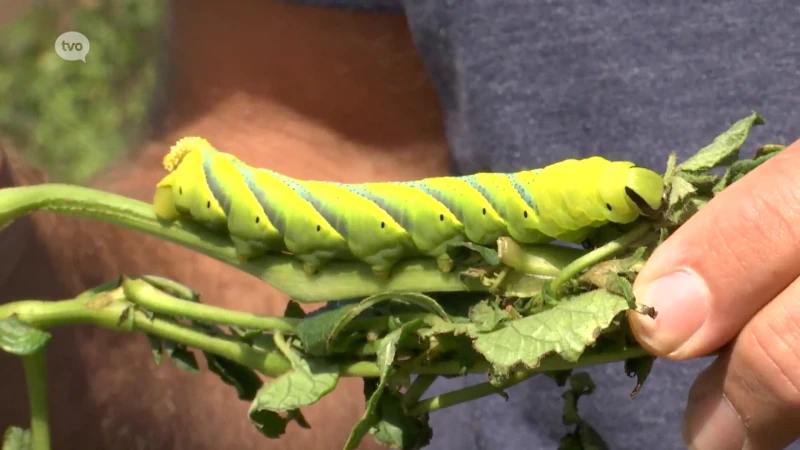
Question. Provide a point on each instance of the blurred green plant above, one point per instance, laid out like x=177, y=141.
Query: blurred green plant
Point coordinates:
x=72, y=118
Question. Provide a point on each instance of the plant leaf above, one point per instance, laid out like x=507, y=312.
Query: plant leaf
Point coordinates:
x=21, y=339
x=584, y=436
x=679, y=190
x=294, y=310
x=326, y=333
x=565, y=329
x=702, y=182
x=487, y=317
x=307, y=382
x=640, y=368
x=315, y=330
x=244, y=379
x=741, y=168
x=580, y=384
x=156, y=347
x=387, y=350
x=725, y=147
x=397, y=429
x=273, y=425
x=181, y=357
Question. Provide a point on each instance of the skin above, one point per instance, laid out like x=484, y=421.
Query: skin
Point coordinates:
x=245, y=76
x=728, y=280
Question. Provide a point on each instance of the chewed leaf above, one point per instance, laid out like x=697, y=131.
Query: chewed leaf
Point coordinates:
x=679, y=190
x=724, y=148
x=565, y=329
x=21, y=339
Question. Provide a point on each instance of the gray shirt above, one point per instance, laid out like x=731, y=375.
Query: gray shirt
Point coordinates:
x=524, y=84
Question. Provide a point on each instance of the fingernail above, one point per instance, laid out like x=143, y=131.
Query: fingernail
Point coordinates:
x=712, y=423
x=681, y=301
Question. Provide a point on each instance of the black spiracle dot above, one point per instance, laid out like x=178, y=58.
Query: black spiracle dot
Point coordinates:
x=484, y=211
x=383, y=224
x=525, y=214
x=319, y=228
x=441, y=217
x=180, y=191
x=608, y=206
x=208, y=204
x=258, y=219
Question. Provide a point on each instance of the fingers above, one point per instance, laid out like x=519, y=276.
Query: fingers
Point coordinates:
x=752, y=393
x=721, y=267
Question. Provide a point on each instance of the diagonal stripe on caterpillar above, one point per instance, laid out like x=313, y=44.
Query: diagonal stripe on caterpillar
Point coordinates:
x=381, y=223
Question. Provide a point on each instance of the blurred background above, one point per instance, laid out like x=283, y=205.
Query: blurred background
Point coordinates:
x=68, y=117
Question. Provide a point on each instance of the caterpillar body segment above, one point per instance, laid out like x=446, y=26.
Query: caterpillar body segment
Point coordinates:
x=482, y=224
x=371, y=233
x=307, y=232
x=430, y=225
x=251, y=229
x=514, y=204
x=381, y=223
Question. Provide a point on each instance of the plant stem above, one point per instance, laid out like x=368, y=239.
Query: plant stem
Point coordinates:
x=599, y=254
x=467, y=394
x=548, y=364
x=145, y=295
x=339, y=281
x=536, y=259
x=417, y=389
x=105, y=309
x=36, y=379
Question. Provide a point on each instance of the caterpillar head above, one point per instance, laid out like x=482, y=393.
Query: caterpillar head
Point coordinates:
x=629, y=191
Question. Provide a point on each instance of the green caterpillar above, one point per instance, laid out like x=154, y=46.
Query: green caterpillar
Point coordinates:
x=382, y=223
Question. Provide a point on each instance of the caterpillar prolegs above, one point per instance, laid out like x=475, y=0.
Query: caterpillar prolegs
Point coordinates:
x=381, y=223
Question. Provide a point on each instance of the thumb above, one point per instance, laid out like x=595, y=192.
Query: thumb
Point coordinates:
x=723, y=265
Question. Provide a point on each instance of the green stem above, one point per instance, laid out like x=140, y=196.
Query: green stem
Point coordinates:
x=417, y=389
x=535, y=259
x=145, y=295
x=599, y=254
x=548, y=364
x=467, y=394
x=282, y=345
x=339, y=281
x=36, y=379
x=105, y=310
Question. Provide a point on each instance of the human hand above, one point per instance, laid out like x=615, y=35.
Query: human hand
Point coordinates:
x=732, y=274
